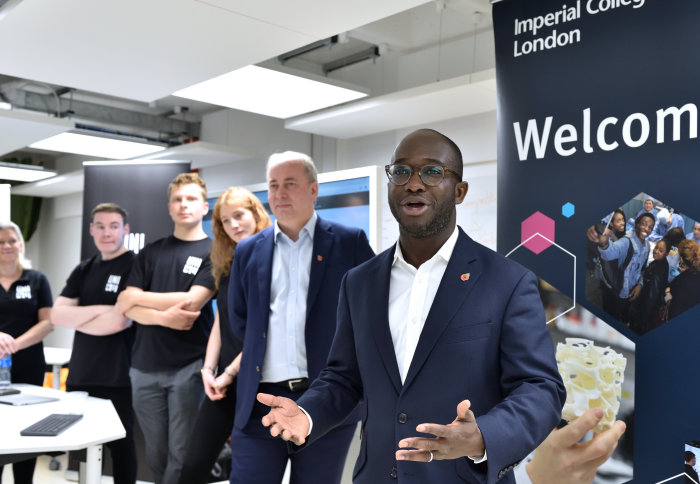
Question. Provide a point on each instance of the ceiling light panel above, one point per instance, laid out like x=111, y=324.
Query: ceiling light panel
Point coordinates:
x=269, y=92
x=12, y=171
x=20, y=129
x=98, y=146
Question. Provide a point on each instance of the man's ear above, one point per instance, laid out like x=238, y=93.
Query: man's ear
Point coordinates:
x=461, y=190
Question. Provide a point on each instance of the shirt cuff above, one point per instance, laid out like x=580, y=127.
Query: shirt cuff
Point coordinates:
x=311, y=422
x=477, y=459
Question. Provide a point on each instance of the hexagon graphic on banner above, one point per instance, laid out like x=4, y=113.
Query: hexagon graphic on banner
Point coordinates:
x=568, y=209
x=537, y=224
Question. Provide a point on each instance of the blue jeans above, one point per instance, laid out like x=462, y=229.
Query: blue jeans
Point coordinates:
x=165, y=403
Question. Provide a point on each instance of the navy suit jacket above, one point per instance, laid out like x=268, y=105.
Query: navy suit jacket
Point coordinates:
x=485, y=339
x=336, y=249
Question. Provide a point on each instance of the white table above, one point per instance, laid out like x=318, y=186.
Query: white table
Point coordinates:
x=99, y=424
x=56, y=357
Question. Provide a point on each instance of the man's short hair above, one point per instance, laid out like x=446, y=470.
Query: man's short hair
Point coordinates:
x=187, y=179
x=644, y=215
x=279, y=158
x=689, y=456
x=456, y=152
x=109, y=207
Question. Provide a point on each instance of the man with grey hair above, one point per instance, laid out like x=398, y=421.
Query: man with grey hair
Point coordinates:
x=283, y=297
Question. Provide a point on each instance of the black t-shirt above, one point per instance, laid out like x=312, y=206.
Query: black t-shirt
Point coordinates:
x=230, y=345
x=100, y=360
x=19, y=311
x=172, y=265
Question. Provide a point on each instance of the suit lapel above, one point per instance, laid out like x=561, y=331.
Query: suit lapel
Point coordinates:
x=378, y=301
x=264, y=248
x=461, y=275
x=323, y=244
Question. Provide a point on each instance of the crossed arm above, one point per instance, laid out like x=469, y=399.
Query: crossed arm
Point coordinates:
x=175, y=310
x=96, y=320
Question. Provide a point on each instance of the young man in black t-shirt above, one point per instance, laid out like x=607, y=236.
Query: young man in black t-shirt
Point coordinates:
x=103, y=336
x=168, y=295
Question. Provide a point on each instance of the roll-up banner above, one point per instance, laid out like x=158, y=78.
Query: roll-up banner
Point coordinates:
x=597, y=164
x=141, y=189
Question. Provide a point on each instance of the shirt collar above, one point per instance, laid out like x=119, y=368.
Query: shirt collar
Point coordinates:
x=309, y=228
x=445, y=252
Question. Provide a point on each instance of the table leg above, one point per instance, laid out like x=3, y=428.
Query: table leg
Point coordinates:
x=93, y=471
x=57, y=376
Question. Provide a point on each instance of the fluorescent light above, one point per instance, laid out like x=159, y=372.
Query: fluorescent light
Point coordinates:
x=131, y=162
x=99, y=146
x=23, y=173
x=270, y=92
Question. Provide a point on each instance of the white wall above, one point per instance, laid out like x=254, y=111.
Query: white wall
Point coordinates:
x=55, y=249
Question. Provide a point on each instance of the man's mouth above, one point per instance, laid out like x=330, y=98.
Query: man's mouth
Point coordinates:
x=414, y=206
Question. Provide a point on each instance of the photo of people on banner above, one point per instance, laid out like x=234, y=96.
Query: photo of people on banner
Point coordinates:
x=643, y=263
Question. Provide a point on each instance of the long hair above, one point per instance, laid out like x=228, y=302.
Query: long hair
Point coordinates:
x=689, y=252
x=24, y=263
x=223, y=247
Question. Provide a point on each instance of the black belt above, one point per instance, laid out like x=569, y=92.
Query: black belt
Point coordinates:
x=293, y=385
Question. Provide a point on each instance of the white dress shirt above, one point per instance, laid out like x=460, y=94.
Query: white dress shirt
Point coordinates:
x=411, y=294
x=285, y=352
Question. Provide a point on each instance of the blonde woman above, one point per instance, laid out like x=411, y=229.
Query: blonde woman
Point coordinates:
x=237, y=214
x=25, y=306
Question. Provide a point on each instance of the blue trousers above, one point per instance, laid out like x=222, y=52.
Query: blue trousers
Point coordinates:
x=260, y=458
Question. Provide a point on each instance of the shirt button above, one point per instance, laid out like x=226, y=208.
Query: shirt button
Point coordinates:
x=393, y=474
x=402, y=418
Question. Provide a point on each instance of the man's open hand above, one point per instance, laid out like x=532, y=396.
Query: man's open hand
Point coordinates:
x=460, y=438
x=285, y=418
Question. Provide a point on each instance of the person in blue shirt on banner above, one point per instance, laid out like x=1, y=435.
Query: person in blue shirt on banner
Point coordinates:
x=648, y=208
x=665, y=221
x=620, y=251
x=695, y=234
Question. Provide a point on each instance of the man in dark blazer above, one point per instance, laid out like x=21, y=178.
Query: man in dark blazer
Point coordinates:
x=470, y=334
x=283, y=296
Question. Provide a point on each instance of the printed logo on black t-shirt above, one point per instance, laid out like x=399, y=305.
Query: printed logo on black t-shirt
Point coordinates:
x=23, y=292
x=112, y=283
x=192, y=265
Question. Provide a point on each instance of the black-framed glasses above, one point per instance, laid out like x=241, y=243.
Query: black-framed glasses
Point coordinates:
x=431, y=175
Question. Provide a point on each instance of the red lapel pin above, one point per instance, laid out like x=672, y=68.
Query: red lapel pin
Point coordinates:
x=465, y=277
x=319, y=258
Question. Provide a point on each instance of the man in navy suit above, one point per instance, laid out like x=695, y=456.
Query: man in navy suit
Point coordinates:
x=435, y=322
x=283, y=296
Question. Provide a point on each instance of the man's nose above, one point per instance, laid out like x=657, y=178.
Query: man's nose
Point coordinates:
x=414, y=182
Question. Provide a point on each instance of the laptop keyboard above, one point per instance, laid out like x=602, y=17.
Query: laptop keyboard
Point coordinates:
x=52, y=425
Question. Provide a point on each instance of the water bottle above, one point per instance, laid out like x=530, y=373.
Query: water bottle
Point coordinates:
x=5, y=370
